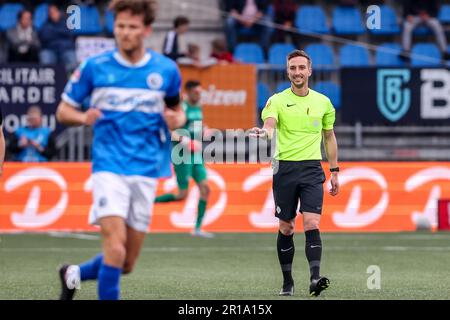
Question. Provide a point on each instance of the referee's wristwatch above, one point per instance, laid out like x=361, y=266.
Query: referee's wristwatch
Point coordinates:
x=336, y=169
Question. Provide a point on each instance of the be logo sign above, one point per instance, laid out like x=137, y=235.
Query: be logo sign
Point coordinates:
x=393, y=97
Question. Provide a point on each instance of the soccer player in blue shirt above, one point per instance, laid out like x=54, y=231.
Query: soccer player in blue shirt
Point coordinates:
x=134, y=99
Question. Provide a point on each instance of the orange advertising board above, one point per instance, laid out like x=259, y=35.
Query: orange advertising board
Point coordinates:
x=381, y=196
x=228, y=94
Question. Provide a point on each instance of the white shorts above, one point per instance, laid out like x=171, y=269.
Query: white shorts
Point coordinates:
x=129, y=197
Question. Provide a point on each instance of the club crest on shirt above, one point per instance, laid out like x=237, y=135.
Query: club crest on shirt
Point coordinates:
x=154, y=81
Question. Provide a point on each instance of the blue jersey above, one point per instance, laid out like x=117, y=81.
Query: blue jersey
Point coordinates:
x=30, y=153
x=132, y=137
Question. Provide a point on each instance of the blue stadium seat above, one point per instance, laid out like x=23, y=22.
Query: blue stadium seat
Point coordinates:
x=425, y=54
x=422, y=30
x=109, y=21
x=444, y=13
x=8, y=15
x=310, y=18
x=347, y=21
x=322, y=56
x=331, y=90
x=353, y=56
x=40, y=15
x=389, y=23
x=263, y=94
x=387, y=54
x=278, y=53
x=90, y=21
x=283, y=86
x=249, y=53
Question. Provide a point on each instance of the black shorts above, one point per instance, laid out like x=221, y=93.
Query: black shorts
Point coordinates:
x=294, y=181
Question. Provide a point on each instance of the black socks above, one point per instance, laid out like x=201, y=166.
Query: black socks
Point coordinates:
x=313, y=251
x=286, y=250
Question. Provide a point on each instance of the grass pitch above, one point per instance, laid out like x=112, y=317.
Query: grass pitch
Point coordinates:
x=236, y=266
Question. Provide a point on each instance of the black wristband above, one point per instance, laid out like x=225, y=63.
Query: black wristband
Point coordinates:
x=334, y=169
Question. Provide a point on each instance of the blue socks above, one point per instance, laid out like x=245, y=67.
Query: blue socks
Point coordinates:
x=89, y=269
x=109, y=282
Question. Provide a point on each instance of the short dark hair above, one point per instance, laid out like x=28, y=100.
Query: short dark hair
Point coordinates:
x=179, y=21
x=298, y=53
x=21, y=13
x=145, y=7
x=191, y=84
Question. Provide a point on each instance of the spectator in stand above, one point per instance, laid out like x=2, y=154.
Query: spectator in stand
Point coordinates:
x=219, y=51
x=22, y=41
x=170, y=46
x=58, y=42
x=33, y=143
x=419, y=12
x=194, y=58
x=250, y=14
x=284, y=14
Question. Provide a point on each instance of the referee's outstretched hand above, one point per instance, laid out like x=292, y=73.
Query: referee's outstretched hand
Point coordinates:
x=334, y=184
x=256, y=132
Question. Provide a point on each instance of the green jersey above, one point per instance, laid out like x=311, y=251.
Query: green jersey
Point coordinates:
x=194, y=120
x=300, y=121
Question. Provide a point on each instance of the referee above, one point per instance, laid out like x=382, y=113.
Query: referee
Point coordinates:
x=2, y=144
x=301, y=116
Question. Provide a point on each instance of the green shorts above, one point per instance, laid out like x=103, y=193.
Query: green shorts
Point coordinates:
x=185, y=171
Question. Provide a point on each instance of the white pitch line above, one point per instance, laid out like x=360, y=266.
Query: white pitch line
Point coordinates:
x=234, y=249
x=82, y=236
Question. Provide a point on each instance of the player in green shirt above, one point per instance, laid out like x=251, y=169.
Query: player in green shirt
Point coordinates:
x=300, y=116
x=190, y=139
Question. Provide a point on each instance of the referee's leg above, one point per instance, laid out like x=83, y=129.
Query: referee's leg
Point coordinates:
x=311, y=200
x=286, y=202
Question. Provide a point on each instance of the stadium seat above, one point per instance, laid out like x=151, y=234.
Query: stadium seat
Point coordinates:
x=40, y=15
x=331, y=90
x=389, y=22
x=444, y=13
x=347, y=21
x=353, y=56
x=90, y=21
x=322, y=56
x=283, y=86
x=387, y=54
x=422, y=30
x=8, y=15
x=109, y=21
x=263, y=94
x=249, y=53
x=278, y=53
x=310, y=18
x=425, y=54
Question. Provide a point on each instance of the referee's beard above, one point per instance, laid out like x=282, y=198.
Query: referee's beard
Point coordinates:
x=301, y=85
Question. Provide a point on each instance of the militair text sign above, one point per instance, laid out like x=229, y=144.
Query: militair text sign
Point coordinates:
x=24, y=85
x=396, y=96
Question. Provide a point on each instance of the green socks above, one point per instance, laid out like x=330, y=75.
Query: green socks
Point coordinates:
x=168, y=197
x=200, y=213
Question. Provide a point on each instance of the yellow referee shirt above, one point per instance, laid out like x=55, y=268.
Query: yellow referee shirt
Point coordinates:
x=300, y=121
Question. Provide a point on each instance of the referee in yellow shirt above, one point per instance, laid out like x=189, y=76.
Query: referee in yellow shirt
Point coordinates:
x=300, y=116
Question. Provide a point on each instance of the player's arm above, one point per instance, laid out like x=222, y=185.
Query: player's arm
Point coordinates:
x=267, y=130
x=331, y=151
x=2, y=149
x=71, y=116
x=174, y=116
